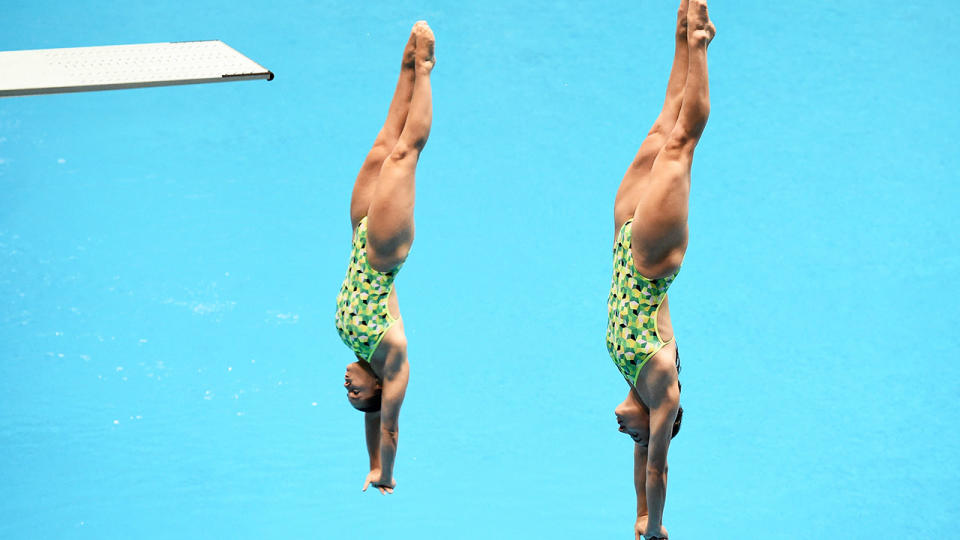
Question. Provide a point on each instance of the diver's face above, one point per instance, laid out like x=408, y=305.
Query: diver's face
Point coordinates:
x=360, y=384
x=633, y=418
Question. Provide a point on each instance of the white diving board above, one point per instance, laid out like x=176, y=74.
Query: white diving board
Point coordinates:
x=113, y=67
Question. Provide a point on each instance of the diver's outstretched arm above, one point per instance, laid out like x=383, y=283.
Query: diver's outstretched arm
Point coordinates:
x=640, y=486
x=659, y=390
x=371, y=424
x=395, y=378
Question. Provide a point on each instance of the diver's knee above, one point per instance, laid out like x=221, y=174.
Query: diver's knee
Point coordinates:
x=405, y=151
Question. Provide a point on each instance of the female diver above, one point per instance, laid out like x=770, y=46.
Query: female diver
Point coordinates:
x=650, y=218
x=381, y=211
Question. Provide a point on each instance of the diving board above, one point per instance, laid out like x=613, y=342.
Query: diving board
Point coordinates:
x=114, y=67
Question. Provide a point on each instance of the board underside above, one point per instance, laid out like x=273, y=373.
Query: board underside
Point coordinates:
x=114, y=67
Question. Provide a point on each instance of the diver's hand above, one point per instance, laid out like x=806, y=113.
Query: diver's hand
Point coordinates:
x=373, y=477
x=640, y=527
x=659, y=535
x=385, y=485
x=641, y=532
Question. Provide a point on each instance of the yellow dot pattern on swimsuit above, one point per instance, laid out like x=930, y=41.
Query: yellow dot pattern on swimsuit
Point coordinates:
x=632, y=307
x=363, y=317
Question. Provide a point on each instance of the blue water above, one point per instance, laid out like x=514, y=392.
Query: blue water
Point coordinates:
x=169, y=260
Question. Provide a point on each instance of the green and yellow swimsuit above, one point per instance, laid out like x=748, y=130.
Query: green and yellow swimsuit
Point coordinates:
x=363, y=317
x=632, y=337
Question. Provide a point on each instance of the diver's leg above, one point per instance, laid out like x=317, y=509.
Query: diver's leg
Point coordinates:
x=632, y=184
x=366, y=181
x=660, y=221
x=390, y=224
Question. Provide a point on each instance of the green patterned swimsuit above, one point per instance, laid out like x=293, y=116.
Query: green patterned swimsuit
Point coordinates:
x=362, y=314
x=632, y=307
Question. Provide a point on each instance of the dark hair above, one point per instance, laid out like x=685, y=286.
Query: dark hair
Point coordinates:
x=371, y=404
x=676, y=423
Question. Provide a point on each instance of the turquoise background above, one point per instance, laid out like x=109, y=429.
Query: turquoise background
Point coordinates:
x=169, y=260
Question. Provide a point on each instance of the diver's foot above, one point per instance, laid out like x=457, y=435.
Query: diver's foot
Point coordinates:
x=409, y=51
x=682, y=21
x=425, y=42
x=699, y=28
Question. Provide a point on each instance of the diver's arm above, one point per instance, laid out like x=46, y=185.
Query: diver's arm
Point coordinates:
x=371, y=421
x=640, y=486
x=656, y=473
x=640, y=477
x=372, y=427
x=663, y=396
x=396, y=376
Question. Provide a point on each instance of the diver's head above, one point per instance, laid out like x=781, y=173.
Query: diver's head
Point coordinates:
x=634, y=419
x=363, y=387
